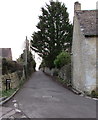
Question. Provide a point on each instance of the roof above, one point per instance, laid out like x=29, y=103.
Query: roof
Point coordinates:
x=6, y=53
x=87, y=20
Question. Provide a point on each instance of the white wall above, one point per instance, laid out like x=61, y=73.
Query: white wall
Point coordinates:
x=83, y=59
x=89, y=49
x=77, y=58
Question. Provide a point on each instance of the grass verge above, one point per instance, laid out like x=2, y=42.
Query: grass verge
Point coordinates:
x=7, y=93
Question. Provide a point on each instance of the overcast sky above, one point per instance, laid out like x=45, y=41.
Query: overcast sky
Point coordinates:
x=18, y=19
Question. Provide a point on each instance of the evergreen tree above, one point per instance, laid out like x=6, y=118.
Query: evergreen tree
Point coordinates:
x=54, y=32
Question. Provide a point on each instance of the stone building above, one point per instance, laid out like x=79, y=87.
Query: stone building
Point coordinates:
x=84, y=49
x=6, y=53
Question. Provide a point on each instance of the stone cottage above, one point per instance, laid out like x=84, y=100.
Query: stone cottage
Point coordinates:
x=84, y=49
x=6, y=53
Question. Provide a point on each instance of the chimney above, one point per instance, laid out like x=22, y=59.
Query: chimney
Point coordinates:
x=77, y=6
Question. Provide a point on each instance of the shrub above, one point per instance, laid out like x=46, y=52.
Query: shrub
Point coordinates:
x=9, y=66
x=30, y=63
x=62, y=59
x=55, y=73
x=94, y=94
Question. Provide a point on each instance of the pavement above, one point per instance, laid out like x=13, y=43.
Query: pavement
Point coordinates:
x=41, y=97
x=7, y=112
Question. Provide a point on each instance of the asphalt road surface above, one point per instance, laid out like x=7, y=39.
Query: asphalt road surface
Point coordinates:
x=41, y=97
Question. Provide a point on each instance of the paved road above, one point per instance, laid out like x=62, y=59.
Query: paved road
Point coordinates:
x=41, y=97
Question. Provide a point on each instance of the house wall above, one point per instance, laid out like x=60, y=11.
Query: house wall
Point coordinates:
x=78, y=74
x=83, y=60
x=89, y=55
x=97, y=62
x=78, y=68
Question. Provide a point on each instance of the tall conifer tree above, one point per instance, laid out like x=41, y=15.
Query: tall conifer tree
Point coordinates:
x=54, y=32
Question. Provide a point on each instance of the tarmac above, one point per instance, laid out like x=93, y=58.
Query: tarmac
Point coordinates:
x=41, y=97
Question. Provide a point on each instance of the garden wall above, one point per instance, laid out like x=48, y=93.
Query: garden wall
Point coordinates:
x=15, y=80
x=64, y=73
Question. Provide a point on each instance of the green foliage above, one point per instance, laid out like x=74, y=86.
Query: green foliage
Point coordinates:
x=62, y=59
x=62, y=81
x=55, y=73
x=9, y=66
x=94, y=94
x=8, y=92
x=21, y=82
x=19, y=73
x=54, y=32
x=29, y=64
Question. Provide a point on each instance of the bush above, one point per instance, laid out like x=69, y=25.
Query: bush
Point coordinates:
x=19, y=73
x=30, y=65
x=9, y=66
x=55, y=73
x=62, y=59
x=8, y=93
x=94, y=94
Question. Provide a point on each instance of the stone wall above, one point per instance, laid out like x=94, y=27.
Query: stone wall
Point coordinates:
x=15, y=81
x=49, y=71
x=64, y=73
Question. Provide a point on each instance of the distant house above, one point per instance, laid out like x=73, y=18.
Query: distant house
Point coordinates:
x=84, y=49
x=6, y=53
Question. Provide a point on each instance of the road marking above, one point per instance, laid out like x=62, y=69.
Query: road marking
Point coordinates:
x=47, y=96
x=15, y=105
x=14, y=101
x=17, y=110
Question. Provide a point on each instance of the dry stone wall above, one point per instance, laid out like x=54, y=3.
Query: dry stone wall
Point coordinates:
x=64, y=73
x=15, y=81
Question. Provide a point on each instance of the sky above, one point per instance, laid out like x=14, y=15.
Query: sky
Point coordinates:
x=18, y=19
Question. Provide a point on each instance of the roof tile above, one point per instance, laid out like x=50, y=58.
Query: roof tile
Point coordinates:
x=88, y=22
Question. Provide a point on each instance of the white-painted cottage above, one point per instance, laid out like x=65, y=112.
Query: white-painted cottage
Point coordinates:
x=84, y=44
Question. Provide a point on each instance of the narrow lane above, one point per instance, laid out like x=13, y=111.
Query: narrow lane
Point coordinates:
x=41, y=97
